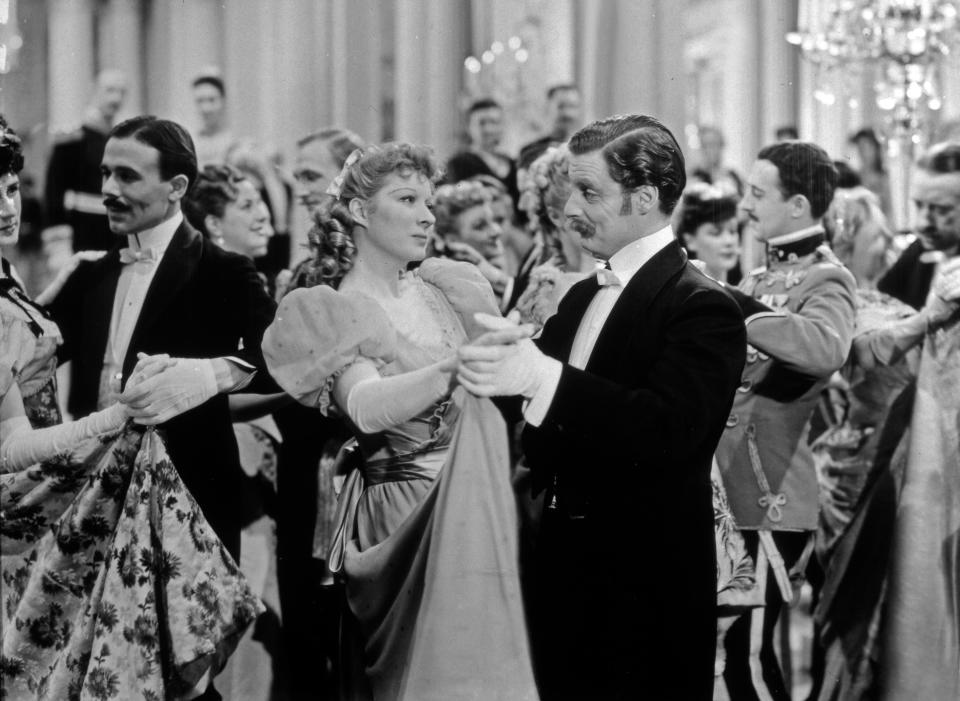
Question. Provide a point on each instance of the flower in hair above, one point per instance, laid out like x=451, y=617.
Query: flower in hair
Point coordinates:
x=335, y=188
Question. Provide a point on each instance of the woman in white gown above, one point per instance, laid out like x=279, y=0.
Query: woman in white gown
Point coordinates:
x=427, y=532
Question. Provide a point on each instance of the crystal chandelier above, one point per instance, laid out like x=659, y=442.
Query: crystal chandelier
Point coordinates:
x=906, y=39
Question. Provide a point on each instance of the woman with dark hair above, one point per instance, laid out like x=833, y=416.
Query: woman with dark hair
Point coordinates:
x=114, y=584
x=224, y=205
x=426, y=541
x=707, y=226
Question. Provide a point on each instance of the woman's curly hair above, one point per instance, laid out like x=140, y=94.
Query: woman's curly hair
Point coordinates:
x=331, y=235
x=11, y=150
x=547, y=187
x=453, y=200
x=216, y=186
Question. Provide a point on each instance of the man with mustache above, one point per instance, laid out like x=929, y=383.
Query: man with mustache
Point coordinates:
x=799, y=313
x=164, y=290
x=625, y=396
x=938, y=234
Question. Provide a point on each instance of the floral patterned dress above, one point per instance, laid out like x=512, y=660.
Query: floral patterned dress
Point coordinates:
x=112, y=584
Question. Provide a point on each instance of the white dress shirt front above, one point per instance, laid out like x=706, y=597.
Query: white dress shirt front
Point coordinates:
x=132, y=287
x=624, y=264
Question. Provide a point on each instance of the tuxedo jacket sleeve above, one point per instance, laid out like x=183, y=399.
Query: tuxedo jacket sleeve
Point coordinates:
x=908, y=279
x=679, y=361
x=66, y=309
x=257, y=310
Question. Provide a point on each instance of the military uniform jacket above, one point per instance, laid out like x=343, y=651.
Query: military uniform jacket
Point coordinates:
x=72, y=191
x=799, y=313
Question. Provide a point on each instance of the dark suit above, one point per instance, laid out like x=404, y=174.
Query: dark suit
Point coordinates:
x=625, y=582
x=73, y=188
x=909, y=279
x=203, y=302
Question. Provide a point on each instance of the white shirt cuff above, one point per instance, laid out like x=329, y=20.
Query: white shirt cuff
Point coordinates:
x=243, y=365
x=535, y=410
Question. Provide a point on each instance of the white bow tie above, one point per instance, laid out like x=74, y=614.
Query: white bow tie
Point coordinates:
x=608, y=278
x=143, y=255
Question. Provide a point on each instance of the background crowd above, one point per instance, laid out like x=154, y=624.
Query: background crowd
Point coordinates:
x=863, y=379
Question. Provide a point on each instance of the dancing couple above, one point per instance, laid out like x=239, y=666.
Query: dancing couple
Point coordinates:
x=625, y=394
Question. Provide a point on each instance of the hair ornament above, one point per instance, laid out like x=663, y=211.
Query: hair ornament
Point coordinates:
x=335, y=188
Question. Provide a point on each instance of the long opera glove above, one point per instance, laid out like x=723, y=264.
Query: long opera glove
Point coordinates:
x=377, y=403
x=22, y=446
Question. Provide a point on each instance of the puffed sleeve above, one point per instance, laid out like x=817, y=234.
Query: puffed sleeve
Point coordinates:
x=464, y=287
x=17, y=345
x=317, y=334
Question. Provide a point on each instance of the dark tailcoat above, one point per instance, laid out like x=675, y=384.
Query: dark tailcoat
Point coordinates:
x=625, y=583
x=203, y=302
x=909, y=279
x=72, y=192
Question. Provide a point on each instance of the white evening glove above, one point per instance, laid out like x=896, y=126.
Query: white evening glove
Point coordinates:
x=22, y=446
x=185, y=384
x=379, y=403
x=504, y=362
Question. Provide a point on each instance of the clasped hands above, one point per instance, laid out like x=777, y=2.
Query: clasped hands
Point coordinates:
x=162, y=387
x=503, y=361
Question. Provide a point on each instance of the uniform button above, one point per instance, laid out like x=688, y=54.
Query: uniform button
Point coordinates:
x=745, y=386
x=732, y=420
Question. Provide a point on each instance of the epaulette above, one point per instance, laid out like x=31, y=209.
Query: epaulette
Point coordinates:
x=63, y=136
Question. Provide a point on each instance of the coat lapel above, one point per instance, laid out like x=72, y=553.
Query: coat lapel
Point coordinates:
x=98, y=309
x=178, y=265
x=558, y=335
x=628, y=312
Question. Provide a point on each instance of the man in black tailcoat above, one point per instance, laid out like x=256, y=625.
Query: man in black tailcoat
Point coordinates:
x=164, y=289
x=626, y=394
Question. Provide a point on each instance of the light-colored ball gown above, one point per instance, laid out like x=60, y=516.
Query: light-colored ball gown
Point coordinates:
x=427, y=527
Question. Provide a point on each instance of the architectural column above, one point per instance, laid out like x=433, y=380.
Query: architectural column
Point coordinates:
x=71, y=61
x=359, y=69
x=182, y=39
x=631, y=58
x=432, y=40
x=778, y=69
x=120, y=45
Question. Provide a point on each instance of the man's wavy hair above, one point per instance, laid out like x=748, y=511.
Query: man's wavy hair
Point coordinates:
x=177, y=153
x=638, y=150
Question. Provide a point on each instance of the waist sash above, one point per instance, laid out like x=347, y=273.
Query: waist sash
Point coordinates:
x=399, y=468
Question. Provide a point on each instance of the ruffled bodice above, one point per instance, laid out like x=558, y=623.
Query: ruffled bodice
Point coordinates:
x=319, y=332
x=28, y=356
